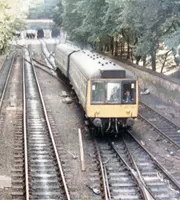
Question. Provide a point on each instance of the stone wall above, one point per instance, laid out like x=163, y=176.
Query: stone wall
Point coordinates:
x=168, y=90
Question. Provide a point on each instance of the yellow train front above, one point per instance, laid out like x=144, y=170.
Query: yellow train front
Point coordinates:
x=112, y=104
x=107, y=92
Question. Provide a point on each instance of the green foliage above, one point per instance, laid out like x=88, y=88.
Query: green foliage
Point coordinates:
x=83, y=20
x=58, y=14
x=72, y=20
x=152, y=21
x=142, y=24
x=173, y=40
x=42, y=9
x=9, y=23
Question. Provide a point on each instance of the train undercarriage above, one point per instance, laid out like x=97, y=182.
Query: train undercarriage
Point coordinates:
x=111, y=126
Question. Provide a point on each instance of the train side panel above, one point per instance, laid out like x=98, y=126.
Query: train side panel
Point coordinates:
x=76, y=77
x=79, y=82
x=111, y=110
x=61, y=61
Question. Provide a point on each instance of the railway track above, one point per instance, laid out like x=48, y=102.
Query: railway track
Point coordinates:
x=54, y=73
x=18, y=174
x=118, y=180
x=127, y=171
x=5, y=73
x=161, y=124
x=47, y=56
x=124, y=165
x=45, y=68
x=43, y=173
x=159, y=181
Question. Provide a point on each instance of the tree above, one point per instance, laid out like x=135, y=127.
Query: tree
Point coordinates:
x=9, y=23
x=58, y=13
x=83, y=21
x=150, y=21
x=42, y=9
x=141, y=25
x=92, y=25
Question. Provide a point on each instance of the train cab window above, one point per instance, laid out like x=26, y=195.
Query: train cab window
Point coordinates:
x=128, y=92
x=113, y=93
x=98, y=92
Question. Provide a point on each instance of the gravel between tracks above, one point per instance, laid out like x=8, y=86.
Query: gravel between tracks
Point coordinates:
x=68, y=118
x=10, y=106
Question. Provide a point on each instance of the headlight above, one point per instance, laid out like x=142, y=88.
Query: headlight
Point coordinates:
x=97, y=122
x=130, y=121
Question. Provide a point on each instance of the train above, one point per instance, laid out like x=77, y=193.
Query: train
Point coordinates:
x=107, y=92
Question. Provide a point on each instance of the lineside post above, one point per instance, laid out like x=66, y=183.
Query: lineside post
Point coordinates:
x=81, y=150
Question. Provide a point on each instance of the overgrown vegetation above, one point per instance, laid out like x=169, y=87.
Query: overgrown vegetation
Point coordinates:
x=10, y=22
x=131, y=28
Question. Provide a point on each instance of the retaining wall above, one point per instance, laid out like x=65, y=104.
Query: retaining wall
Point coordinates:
x=167, y=89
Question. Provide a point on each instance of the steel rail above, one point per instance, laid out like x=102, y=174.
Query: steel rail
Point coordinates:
x=38, y=64
x=25, y=135
x=156, y=161
x=134, y=173
x=44, y=54
x=156, y=128
x=44, y=65
x=138, y=171
x=105, y=186
x=54, y=76
x=7, y=80
x=51, y=134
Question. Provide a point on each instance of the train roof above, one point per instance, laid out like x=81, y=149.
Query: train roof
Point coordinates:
x=94, y=65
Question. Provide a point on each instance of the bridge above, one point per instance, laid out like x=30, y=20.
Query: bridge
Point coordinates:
x=47, y=25
x=39, y=24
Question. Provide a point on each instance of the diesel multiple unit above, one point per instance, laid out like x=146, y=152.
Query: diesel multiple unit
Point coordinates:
x=107, y=92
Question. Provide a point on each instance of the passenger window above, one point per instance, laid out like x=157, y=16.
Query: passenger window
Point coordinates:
x=98, y=92
x=113, y=93
x=129, y=92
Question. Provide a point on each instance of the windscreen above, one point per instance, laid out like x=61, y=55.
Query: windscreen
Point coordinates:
x=113, y=92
